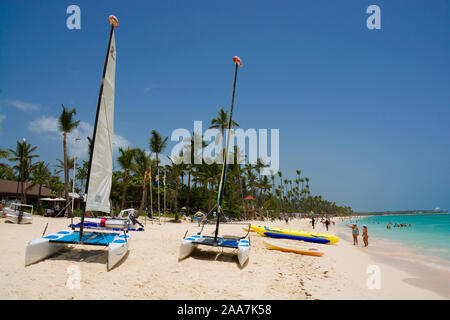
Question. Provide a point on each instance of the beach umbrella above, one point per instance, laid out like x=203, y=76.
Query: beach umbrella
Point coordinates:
x=199, y=214
x=249, y=199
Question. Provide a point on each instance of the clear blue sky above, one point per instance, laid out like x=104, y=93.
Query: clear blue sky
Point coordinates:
x=363, y=113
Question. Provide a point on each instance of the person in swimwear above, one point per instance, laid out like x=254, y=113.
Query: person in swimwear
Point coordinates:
x=365, y=236
x=355, y=233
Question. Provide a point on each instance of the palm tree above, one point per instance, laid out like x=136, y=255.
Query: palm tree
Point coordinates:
x=221, y=121
x=41, y=176
x=89, y=139
x=60, y=165
x=5, y=170
x=23, y=156
x=236, y=170
x=82, y=173
x=126, y=162
x=190, y=145
x=264, y=185
x=157, y=145
x=176, y=171
x=3, y=155
x=141, y=163
x=209, y=174
x=66, y=125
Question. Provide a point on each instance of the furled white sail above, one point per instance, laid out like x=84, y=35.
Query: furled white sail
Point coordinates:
x=100, y=179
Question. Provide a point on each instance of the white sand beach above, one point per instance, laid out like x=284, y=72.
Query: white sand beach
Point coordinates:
x=152, y=270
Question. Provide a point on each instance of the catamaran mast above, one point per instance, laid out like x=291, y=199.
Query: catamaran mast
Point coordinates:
x=238, y=63
x=114, y=24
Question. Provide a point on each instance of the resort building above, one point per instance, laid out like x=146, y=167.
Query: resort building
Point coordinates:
x=12, y=191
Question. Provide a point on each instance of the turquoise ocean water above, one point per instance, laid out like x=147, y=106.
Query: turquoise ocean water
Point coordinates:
x=430, y=233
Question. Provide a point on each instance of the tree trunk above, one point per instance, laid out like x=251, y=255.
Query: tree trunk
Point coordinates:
x=189, y=189
x=242, y=195
x=144, y=189
x=18, y=183
x=209, y=199
x=66, y=177
x=22, y=197
x=151, y=198
x=157, y=174
x=125, y=180
x=176, y=203
x=39, y=196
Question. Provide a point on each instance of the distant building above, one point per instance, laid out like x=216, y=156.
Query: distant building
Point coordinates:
x=10, y=192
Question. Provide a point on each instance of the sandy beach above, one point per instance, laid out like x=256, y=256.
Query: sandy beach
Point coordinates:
x=152, y=270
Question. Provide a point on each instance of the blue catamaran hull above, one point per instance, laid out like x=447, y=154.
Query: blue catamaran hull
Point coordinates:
x=242, y=245
x=41, y=248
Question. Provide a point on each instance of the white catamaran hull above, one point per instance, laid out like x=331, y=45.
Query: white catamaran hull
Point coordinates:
x=14, y=218
x=15, y=213
x=243, y=251
x=41, y=248
x=117, y=250
x=188, y=245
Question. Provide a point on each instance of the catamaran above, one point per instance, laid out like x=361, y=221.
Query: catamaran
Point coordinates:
x=242, y=244
x=15, y=213
x=99, y=179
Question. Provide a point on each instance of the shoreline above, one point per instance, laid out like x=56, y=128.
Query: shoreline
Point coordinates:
x=427, y=271
x=152, y=271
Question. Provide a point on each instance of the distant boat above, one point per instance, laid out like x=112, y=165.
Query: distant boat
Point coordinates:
x=99, y=179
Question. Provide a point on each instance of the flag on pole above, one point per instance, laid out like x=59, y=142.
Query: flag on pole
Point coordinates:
x=164, y=179
x=156, y=180
x=149, y=174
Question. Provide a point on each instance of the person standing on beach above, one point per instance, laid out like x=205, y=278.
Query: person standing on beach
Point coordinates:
x=355, y=233
x=312, y=222
x=286, y=217
x=327, y=223
x=365, y=236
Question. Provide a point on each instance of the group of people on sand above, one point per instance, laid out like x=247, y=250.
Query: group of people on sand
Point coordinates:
x=285, y=217
x=56, y=211
x=396, y=225
x=355, y=234
x=326, y=221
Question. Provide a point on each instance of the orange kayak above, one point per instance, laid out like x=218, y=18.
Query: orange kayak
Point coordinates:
x=291, y=247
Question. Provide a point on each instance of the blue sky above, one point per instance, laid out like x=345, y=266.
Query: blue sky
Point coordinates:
x=363, y=113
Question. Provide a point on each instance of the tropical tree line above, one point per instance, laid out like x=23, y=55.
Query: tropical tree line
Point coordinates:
x=143, y=182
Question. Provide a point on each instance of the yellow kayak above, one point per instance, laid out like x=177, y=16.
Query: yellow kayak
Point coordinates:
x=290, y=247
x=281, y=233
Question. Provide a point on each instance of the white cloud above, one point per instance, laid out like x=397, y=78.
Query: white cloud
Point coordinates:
x=120, y=142
x=43, y=125
x=24, y=106
x=48, y=126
